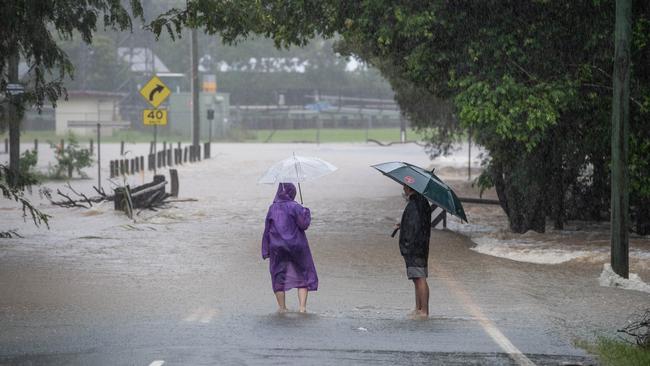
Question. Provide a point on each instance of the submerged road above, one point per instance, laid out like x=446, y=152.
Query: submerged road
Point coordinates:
x=187, y=286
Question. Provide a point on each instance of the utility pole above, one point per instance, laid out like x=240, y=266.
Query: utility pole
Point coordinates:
x=14, y=113
x=620, y=134
x=196, y=125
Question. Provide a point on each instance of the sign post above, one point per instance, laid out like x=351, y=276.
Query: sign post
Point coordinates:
x=155, y=92
x=210, y=119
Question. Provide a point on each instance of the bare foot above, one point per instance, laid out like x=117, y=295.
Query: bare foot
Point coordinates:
x=302, y=310
x=282, y=310
x=421, y=315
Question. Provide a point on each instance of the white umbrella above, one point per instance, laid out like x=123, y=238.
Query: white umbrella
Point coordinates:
x=297, y=169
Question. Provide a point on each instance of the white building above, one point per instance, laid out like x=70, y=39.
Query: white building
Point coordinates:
x=84, y=109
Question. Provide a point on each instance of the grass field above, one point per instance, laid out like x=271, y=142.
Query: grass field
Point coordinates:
x=304, y=135
x=332, y=135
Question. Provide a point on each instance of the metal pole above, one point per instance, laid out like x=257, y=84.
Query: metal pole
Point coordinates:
x=196, y=126
x=210, y=130
x=620, y=133
x=99, y=157
x=155, y=142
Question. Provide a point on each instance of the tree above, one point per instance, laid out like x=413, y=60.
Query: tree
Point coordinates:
x=97, y=66
x=29, y=30
x=528, y=77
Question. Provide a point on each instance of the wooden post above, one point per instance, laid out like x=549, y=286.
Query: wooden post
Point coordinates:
x=133, y=166
x=36, y=145
x=118, y=198
x=6, y=146
x=91, y=147
x=169, y=156
x=620, y=136
x=158, y=178
x=111, y=167
x=444, y=219
x=185, y=155
x=121, y=147
x=173, y=177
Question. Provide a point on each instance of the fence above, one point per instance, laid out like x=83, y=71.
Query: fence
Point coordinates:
x=169, y=156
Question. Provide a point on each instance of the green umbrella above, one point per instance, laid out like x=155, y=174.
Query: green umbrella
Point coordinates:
x=424, y=182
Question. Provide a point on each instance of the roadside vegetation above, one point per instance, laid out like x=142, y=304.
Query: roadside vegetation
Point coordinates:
x=617, y=352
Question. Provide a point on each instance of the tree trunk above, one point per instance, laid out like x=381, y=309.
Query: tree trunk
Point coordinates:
x=13, y=116
x=555, y=194
x=643, y=217
x=599, y=190
x=523, y=203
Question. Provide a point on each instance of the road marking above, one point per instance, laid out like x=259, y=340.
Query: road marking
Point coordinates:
x=488, y=325
x=208, y=316
x=157, y=363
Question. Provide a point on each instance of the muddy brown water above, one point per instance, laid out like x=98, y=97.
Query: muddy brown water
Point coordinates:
x=189, y=280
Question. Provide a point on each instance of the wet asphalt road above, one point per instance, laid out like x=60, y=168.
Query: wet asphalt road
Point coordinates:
x=186, y=286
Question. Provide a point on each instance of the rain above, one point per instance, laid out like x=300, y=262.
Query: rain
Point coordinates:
x=153, y=173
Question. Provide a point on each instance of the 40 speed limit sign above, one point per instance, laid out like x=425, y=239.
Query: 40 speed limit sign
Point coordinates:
x=154, y=117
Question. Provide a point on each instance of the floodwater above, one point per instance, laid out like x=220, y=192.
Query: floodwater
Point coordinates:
x=186, y=285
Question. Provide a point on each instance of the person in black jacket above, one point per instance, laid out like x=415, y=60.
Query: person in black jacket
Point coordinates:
x=415, y=231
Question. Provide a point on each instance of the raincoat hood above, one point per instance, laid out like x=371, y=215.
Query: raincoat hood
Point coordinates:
x=286, y=192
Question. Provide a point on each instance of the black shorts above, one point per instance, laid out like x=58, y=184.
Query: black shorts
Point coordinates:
x=416, y=266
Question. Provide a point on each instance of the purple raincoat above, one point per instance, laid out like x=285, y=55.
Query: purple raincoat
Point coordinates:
x=285, y=242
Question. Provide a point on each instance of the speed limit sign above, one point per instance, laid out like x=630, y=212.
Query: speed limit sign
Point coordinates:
x=154, y=117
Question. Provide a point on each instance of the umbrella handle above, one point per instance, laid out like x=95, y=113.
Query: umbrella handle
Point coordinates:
x=394, y=232
x=300, y=191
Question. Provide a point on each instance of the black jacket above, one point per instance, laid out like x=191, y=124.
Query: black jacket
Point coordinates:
x=415, y=227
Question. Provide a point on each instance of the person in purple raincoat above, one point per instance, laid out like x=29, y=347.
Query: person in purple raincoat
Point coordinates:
x=285, y=243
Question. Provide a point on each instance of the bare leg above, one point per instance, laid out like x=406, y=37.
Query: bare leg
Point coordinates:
x=282, y=306
x=302, y=297
x=415, y=311
x=422, y=290
x=418, y=306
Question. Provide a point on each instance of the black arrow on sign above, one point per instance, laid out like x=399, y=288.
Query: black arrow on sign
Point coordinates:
x=158, y=89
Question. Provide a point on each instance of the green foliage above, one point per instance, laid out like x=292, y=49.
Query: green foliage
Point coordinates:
x=531, y=78
x=28, y=162
x=97, y=66
x=17, y=193
x=71, y=158
x=613, y=352
x=32, y=28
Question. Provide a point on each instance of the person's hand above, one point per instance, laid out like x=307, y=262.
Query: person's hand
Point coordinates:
x=397, y=225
